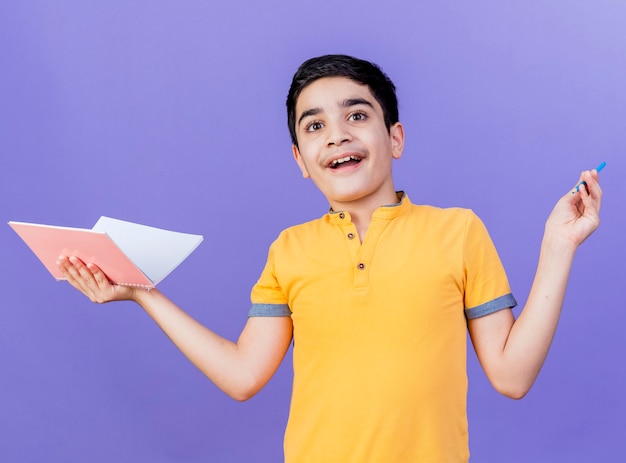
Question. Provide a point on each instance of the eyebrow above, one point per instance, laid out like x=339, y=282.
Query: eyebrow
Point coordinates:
x=347, y=103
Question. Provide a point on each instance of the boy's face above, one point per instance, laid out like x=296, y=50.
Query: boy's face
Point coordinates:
x=344, y=145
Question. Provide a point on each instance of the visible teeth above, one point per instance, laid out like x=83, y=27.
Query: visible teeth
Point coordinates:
x=336, y=162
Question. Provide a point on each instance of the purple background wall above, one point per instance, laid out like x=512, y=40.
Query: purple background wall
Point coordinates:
x=172, y=114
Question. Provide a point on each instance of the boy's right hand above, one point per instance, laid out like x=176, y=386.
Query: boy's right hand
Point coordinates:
x=92, y=282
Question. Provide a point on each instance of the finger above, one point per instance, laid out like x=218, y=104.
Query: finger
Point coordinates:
x=69, y=269
x=601, y=166
x=584, y=186
x=82, y=277
x=71, y=273
x=62, y=263
x=592, y=195
x=580, y=184
x=588, y=181
x=82, y=272
x=594, y=182
x=592, y=186
x=99, y=276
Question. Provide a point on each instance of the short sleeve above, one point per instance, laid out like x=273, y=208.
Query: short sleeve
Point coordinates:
x=267, y=297
x=487, y=288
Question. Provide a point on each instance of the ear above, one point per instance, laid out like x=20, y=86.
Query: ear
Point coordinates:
x=298, y=158
x=396, y=133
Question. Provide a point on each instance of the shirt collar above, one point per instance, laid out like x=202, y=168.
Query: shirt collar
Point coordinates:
x=387, y=212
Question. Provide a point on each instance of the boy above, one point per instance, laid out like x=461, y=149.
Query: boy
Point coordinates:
x=377, y=293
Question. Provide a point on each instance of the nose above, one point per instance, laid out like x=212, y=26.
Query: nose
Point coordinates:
x=338, y=134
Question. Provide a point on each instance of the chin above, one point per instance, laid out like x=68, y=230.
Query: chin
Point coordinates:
x=347, y=196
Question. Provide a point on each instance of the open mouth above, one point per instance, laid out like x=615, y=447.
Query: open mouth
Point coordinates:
x=347, y=161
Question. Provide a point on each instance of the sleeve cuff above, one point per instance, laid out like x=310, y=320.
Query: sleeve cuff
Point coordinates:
x=269, y=310
x=503, y=302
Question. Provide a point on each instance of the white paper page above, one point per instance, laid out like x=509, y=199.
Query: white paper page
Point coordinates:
x=155, y=251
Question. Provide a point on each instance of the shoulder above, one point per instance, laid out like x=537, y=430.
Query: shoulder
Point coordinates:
x=449, y=226
x=306, y=227
x=307, y=232
x=442, y=215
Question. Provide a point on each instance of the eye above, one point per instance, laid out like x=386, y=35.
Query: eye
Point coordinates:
x=357, y=116
x=313, y=126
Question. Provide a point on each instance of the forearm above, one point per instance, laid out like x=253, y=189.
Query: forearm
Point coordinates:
x=531, y=335
x=221, y=360
x=240, y=369
x=511, y=351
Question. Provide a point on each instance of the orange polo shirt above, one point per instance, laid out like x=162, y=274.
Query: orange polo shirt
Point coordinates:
x=380, y=331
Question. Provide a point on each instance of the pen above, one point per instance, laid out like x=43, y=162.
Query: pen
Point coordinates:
x=598, y=169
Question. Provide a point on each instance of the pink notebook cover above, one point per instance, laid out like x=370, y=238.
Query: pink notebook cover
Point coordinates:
x=49, y=242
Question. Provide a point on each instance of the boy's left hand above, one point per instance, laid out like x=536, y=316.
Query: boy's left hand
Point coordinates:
x=577, y=214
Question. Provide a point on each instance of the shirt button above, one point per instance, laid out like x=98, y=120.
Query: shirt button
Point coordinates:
x=361, y=266
x=350, y=236
x=342, y=215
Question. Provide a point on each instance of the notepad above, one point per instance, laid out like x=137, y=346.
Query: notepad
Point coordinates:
x=128, y=253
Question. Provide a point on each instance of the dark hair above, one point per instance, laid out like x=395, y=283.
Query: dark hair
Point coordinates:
x=355, y=69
